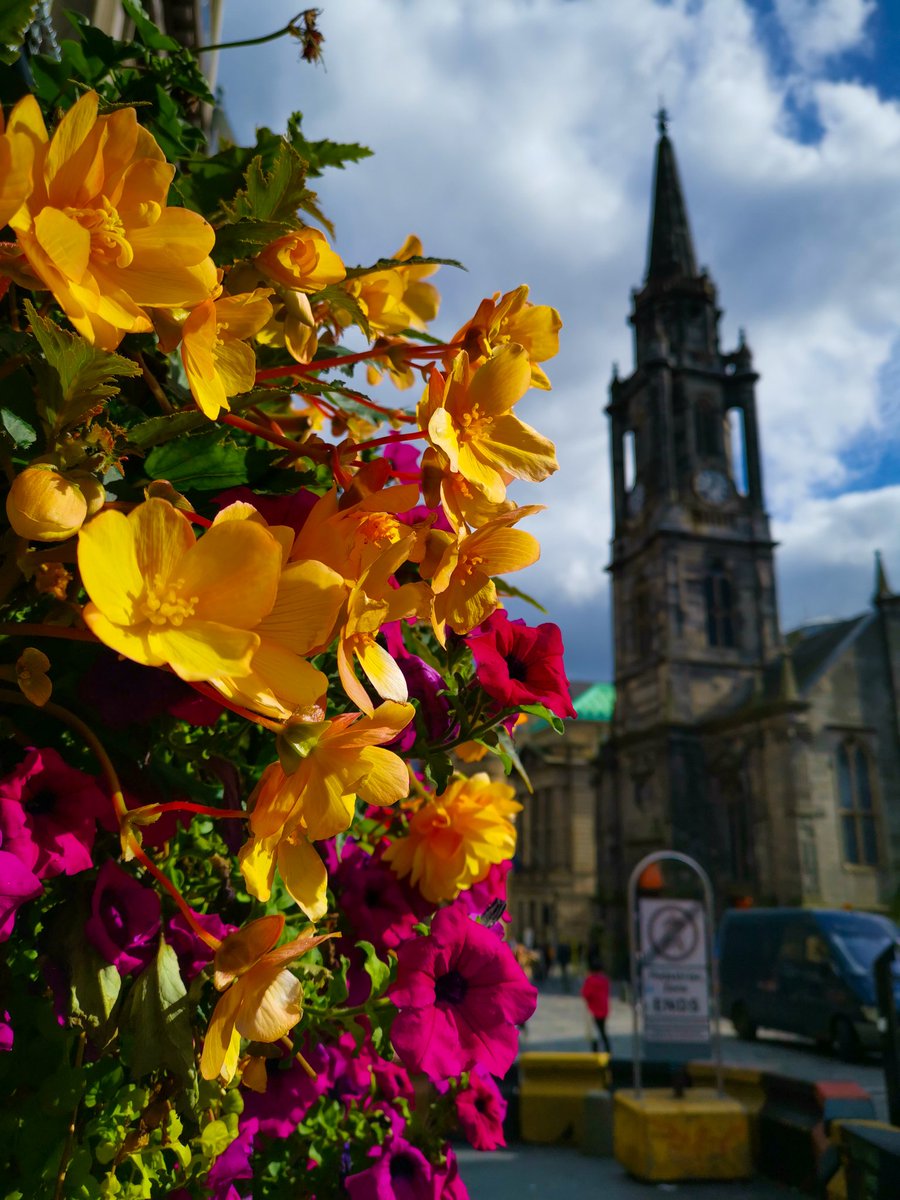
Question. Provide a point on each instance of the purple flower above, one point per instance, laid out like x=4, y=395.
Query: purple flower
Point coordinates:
x=481, y=1109
x=400, y=1172
x=233, y=1163
x=17, y=885
x=125, y=919
x=477, y=898
x=289, y=1094
x=7, y=1034
x=193, y=953
x=424, y=684
x=377, y=906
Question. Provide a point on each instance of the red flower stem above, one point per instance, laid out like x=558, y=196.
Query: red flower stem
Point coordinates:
x=260, y=431
x=320, y=364
x=342, y=476
x=136, y=851
x=196, y=519
x=211, y=694
x=33, y=629
x=202, y=810
x=393, y=437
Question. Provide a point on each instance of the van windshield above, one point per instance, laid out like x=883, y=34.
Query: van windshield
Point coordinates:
x=859, y=946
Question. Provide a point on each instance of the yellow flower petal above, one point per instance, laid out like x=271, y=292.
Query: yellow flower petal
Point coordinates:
x=234, y=570
x=304, y=875
x=385, y=779
x=203, y=650
x=241, y=949
x=222, y=1043
x=271, y=1004
x=123, y=638
x=107, y=561
x=382, y=672
x=162, y=536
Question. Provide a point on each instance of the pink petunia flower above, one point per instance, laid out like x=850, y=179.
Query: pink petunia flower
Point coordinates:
x=460, y=994
x=378, y=907
x=60, y=807
x=517, y=664
x=399, y=1172
x=481, y=1111
x=192, y=952
x=18, y=884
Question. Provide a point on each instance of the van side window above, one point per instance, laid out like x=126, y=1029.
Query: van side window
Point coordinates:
x=859, y=834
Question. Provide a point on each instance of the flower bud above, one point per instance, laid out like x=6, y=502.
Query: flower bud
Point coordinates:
x=45, y=506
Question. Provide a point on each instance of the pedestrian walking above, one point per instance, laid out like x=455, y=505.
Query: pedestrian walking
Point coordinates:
x=595, y=992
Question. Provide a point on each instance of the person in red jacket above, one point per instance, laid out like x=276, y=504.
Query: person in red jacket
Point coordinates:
x=595, y=991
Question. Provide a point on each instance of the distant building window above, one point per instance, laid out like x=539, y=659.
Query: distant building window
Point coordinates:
x=859, y=834
x=719, y=597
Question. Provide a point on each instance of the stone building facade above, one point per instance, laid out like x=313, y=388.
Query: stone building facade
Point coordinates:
x=773, y=759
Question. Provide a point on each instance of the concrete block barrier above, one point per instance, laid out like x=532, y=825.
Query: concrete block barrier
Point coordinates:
x=870, y=1161
x=659, y=1137
x=552, y=1088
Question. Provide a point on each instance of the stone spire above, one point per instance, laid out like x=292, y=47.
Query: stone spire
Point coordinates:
x=671, y=251
x=882, y=587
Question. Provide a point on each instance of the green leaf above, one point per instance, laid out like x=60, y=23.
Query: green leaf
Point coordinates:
x=507, y=589
x=153, y=38
x=416, y=260
x=94, y=990
x=508, y=755
x=540, y=710
x=342, y=302
x=207, y=462
x=246, y=238
x=157, y=1018
x=271, y=195
x=321, y=154
x=85, y=374
x=163, y=429
x=15, y=17
x=18, y=429
x=376, y=970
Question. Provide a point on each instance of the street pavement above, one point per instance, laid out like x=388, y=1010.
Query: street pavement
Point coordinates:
x=558, y=1173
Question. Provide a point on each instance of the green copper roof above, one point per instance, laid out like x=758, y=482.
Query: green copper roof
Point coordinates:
x=597, y=703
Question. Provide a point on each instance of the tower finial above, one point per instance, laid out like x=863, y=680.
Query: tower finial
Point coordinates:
x=662, y=119
x=882, y=587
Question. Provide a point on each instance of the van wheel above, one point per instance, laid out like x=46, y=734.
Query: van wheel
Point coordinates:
x=845, y=1040
x=743, y=1026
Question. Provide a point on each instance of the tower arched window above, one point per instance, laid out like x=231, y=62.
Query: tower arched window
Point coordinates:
x=859, y=832
x=720, y=616
x=708, y=430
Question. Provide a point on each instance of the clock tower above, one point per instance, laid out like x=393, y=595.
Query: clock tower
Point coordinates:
x=694, y=607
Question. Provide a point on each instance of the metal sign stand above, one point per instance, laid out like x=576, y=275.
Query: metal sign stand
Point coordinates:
x=640, y=958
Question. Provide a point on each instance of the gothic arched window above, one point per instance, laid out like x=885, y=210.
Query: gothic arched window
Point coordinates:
x=859, y=833
x=719, y=596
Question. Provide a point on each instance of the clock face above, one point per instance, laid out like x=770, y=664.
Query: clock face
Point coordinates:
x=712, y=486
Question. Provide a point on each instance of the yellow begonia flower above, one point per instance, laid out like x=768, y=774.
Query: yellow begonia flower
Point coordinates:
x=455, y=838
x=217, y=360
x=349, y=539
x=95, y=226
x=17, y=152
x=396, y=298
x=374, y=601
x=338, y=760
x=292, y=325
x=302, y=261
x=467, y=417
x=510, y=318
x=262, y=1000
x=464, y=590
x=464, y=505
x=161, y=596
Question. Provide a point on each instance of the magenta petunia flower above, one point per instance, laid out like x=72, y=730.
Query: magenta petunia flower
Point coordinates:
x=233, y=1163
x=460, y=994
x=60, y=807
x=125, y=919
x=378, y=907
x=481, y=1111
x=192, y=952
x=518, y=664
x=18, y=884
x=452, y=1186
x=480, y=896
x=399, y=1172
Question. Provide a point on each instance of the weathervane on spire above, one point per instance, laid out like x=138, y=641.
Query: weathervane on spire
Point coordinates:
x=662, y=119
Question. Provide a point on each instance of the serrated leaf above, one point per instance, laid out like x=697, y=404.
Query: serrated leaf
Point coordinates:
x=157, y=1018
x=207, y=462
x=417, y=260
x=163, y=429
x=377, y=971
x=18, y=429
x=15, y=17
x=271, y=195
x=246, y=238
x=321, y=154
x=341, y=301
x=85, y=373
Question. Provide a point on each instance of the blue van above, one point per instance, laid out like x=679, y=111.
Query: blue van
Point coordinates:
x=806, y=971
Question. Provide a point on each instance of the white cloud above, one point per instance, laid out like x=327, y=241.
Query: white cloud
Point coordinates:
x=820, y=29
x=517, y=136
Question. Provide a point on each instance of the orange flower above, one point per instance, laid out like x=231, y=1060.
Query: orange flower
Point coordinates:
x=302, y=261
x=95, y=226
x=453, y=839
x=263, y=1000
x=396, y=298
x=17, y=157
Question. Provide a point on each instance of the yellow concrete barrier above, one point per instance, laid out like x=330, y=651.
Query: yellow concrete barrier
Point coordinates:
x=552, y=1088
x=661, y=1138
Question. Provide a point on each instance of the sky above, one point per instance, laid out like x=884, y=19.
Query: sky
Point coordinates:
x=518, y=136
